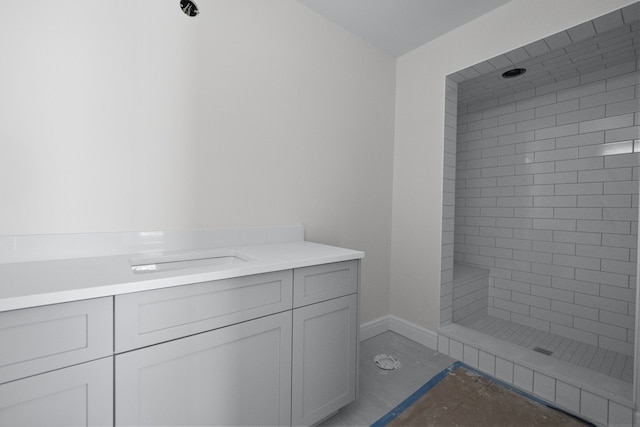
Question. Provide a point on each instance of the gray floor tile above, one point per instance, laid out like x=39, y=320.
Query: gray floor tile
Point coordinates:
x=607, y=362
x=381, y=391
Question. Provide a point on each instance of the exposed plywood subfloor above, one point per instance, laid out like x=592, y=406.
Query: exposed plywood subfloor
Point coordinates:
x=607, y=362
x=464, y=398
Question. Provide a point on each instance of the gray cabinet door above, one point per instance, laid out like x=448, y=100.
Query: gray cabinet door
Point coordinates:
x=81, y=395
x=324, y=358
x=238, y=375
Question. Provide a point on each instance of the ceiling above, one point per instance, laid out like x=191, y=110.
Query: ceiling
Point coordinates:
x=609, y=41
x=399, y=26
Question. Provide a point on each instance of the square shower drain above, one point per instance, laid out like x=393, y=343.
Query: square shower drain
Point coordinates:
x=543, y=351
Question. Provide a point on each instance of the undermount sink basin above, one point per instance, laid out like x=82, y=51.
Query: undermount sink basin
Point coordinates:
x=182, y=261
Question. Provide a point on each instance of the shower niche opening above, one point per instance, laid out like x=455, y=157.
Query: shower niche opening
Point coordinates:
x=540, y=206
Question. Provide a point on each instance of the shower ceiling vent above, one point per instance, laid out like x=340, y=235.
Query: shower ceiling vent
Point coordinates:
x=515, y=72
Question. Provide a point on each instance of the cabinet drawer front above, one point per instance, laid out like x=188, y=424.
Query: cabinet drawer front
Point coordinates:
x=40, y=339
x=234, y=376
x=326, y=281
x=80, y=395
x=150, y=317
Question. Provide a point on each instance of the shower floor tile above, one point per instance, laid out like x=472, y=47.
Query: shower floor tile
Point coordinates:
x=607, y=362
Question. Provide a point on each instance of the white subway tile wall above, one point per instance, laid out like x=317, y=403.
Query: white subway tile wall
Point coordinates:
x=544, y=197
x=594, y=407
x=487, y=362
x=470, y=294
x=541, y=188
x=504, y=370
x=568, y=396
x=448, y=204
x=544, y=386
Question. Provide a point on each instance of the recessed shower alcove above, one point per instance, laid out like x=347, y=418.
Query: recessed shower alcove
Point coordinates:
x=540, y=215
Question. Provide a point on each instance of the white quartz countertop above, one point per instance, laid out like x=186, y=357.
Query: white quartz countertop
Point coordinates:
x=30, y=284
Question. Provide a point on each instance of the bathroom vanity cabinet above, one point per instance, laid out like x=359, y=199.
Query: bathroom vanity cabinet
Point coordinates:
x=237, y=375
x=56, y=364
x=275, y=348
x=243, y=366
x=216, y=353
x=325, y=342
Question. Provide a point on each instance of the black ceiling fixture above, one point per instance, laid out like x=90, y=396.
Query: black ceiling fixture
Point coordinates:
x=189, y=7
x=514, y=72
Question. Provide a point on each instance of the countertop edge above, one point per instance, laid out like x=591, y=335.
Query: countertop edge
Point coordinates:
x=148, y=283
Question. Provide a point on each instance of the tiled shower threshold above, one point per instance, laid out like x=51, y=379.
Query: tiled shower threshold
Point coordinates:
x=572, y=387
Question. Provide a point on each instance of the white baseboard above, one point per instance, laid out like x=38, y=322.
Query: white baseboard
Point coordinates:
x=374, y=327
x=402, y=327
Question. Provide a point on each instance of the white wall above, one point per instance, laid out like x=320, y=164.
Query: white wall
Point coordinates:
x=417, y=182
x=128, y=115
